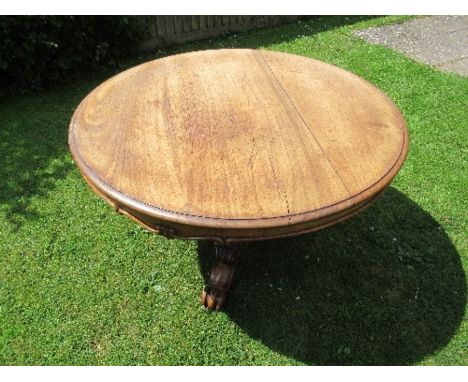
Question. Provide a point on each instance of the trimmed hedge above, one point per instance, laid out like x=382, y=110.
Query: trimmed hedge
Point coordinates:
x=37, y=51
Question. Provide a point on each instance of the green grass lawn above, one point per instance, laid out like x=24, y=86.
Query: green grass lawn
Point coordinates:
x=80, y=284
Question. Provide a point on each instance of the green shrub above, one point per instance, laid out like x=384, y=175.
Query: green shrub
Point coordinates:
x=37, y=51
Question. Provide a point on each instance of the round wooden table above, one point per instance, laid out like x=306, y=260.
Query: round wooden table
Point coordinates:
x=234, y=145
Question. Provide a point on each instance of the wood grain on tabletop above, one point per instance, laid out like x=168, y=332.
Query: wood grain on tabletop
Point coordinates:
x=239, y=134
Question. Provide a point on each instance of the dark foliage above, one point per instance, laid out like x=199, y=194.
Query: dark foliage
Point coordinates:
x=37, y=51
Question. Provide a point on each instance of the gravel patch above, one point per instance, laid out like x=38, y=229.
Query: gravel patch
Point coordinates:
x=439, y=41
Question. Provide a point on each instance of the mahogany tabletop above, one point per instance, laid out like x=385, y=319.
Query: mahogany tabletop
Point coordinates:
x=237, y=144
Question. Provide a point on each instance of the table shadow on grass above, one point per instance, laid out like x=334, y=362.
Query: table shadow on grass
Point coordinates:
x=384, y=288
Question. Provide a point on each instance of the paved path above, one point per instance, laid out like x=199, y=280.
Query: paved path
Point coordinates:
x=439, y=41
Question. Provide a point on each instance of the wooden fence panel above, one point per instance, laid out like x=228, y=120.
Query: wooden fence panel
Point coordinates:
x=173, y=30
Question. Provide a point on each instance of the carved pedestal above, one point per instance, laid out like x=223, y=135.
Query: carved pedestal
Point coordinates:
x=215, y=292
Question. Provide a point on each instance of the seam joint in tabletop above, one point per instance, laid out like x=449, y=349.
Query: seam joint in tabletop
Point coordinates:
x=303, y=120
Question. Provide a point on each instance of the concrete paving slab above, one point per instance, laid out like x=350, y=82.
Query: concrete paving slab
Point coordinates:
x=439, y=41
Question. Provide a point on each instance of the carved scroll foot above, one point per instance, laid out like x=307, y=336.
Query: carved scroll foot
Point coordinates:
x=215, y=292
